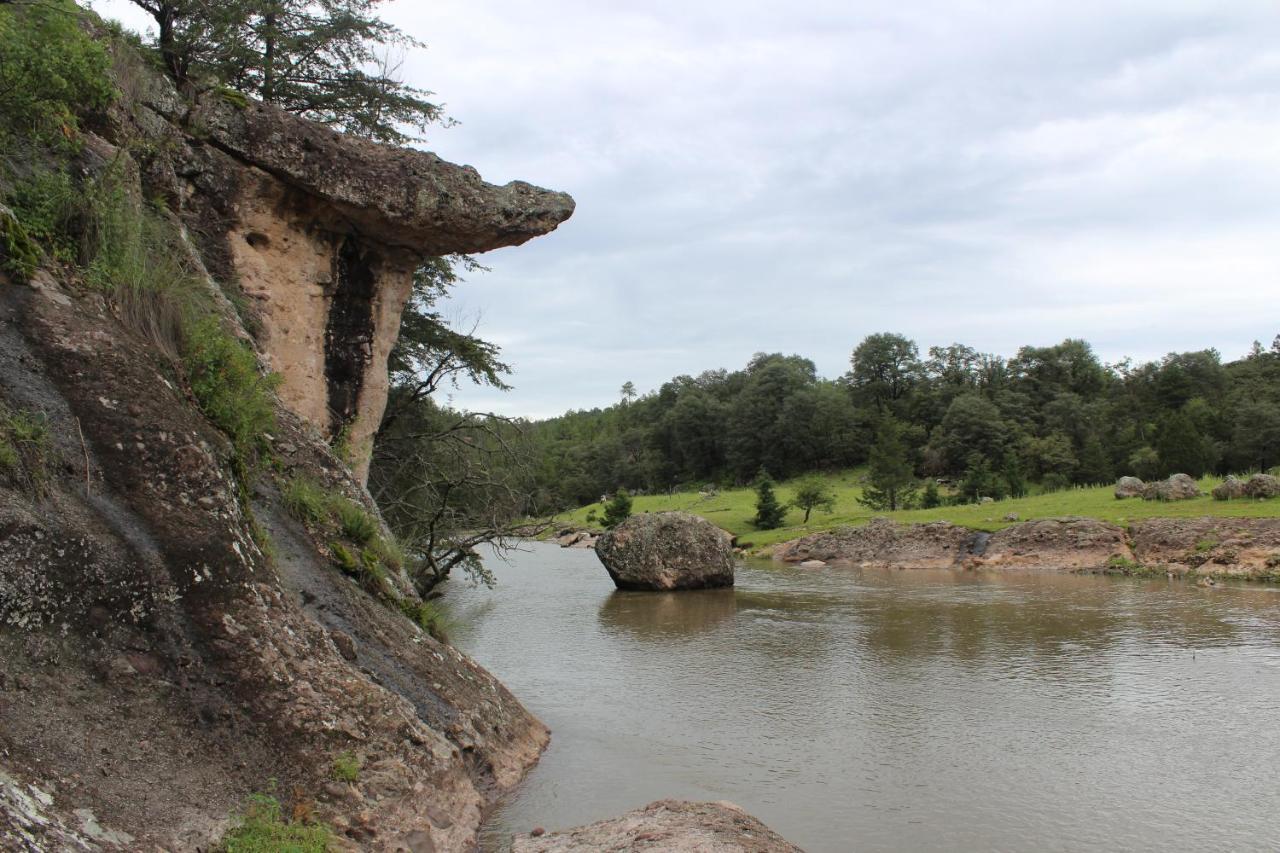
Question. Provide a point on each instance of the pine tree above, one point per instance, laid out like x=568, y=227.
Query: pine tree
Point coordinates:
x=618, y=509
x=769, y=512
x=930, y=499
x=891, y=480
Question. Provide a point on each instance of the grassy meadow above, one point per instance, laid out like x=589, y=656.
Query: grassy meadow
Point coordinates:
x=733, y=509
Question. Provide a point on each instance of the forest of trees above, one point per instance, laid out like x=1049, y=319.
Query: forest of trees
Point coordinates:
x=1050, y=416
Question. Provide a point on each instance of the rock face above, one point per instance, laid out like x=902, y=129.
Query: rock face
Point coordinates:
x=880, y=542
x=159, y=666
x=1227, y=547
x=323, y=233
x=667, y=550
x=1179, y=487
x=1129, y=487
x=667, y=825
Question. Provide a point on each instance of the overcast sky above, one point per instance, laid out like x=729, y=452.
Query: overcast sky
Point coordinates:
x=766, y=176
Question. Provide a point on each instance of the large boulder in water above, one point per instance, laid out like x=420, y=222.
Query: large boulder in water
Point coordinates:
x=667, y=550
x=1129, y=487
x=1179, y=487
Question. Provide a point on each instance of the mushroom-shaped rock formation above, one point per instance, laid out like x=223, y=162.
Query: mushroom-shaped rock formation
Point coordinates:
x=667, y=550
x=323, y=233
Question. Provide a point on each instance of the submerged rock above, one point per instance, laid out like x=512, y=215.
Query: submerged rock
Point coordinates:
x=1129, y=487
x=667, y=550
x=668, y=825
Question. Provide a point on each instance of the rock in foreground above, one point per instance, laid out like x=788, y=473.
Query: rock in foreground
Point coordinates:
x=667, y=550
x=668, y=825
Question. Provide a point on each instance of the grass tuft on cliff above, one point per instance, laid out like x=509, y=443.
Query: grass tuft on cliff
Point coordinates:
x=262, y=828
x=733, y=509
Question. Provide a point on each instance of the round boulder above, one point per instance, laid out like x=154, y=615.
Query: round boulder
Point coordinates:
x=667, y=550
x=1129, y=487
x=1262, y=486
x=1229, y=489
x=1179, y=487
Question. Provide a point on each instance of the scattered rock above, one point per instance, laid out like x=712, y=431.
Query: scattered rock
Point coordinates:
x=813, y=564
x=1179, y=487
x=1129, y=487
x=1262, y=486
x=1228, y=490
x=670, y=826
x=1013, y=516
x=667, y=550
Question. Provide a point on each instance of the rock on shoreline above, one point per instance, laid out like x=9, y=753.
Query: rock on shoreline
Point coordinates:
x=1220, y=547
x=671, y=826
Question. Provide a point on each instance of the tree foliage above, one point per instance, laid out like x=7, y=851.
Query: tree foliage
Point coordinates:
x=617, y=510
x=813, y=493
x=332, y=61
x=770, y=513
x=891, y=481
x=51, y=71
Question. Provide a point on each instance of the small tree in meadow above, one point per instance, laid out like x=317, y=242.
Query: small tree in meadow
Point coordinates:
x=618, y=509
x=891, y=479
x=930, y=499
x=769, y=512
x=813, y=493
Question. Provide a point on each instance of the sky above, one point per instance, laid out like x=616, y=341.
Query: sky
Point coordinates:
x=791, y=177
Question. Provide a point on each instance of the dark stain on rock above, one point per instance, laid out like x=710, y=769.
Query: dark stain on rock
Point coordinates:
x=348, y=338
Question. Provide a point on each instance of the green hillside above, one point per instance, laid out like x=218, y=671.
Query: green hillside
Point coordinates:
x=733, y=509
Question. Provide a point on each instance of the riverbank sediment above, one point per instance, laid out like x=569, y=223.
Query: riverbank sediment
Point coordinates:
x=1246, y=548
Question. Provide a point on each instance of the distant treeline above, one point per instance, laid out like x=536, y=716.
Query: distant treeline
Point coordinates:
x=1053, y=416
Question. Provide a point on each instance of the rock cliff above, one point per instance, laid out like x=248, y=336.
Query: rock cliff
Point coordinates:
x=172, y=638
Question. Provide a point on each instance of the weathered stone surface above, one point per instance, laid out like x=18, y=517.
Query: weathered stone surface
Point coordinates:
x=323, y=232
x=1229, y=489
x=1069, y=543
x=671, y=826
x=880, y=542
x=1262, y=486
x=1129, y=487
x=1179, y=487
x=1227, y=547
x=667, y=550
x=138, y=614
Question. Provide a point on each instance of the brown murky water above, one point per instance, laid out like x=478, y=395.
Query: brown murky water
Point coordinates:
x=907, y=710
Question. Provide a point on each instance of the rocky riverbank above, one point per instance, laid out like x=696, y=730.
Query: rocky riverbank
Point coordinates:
x=1247, y=548
x=667, y=825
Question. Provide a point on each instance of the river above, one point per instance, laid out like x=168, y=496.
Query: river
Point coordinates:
x=894, y=710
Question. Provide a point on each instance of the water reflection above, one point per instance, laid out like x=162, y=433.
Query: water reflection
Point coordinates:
x=650, y=615
x=884, y=710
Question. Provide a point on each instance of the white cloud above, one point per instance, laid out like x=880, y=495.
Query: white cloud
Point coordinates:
x=763, y=176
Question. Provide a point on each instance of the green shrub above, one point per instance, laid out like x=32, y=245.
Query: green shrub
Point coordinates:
x=229, y=388
x=51, y=211
x=19, y=254
x=262, y=829
x=429, y=616
x=345, y=558
x=25, y=449
x=355, y=522
x=51, y=70
x=306, y=501
x=346, y=767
